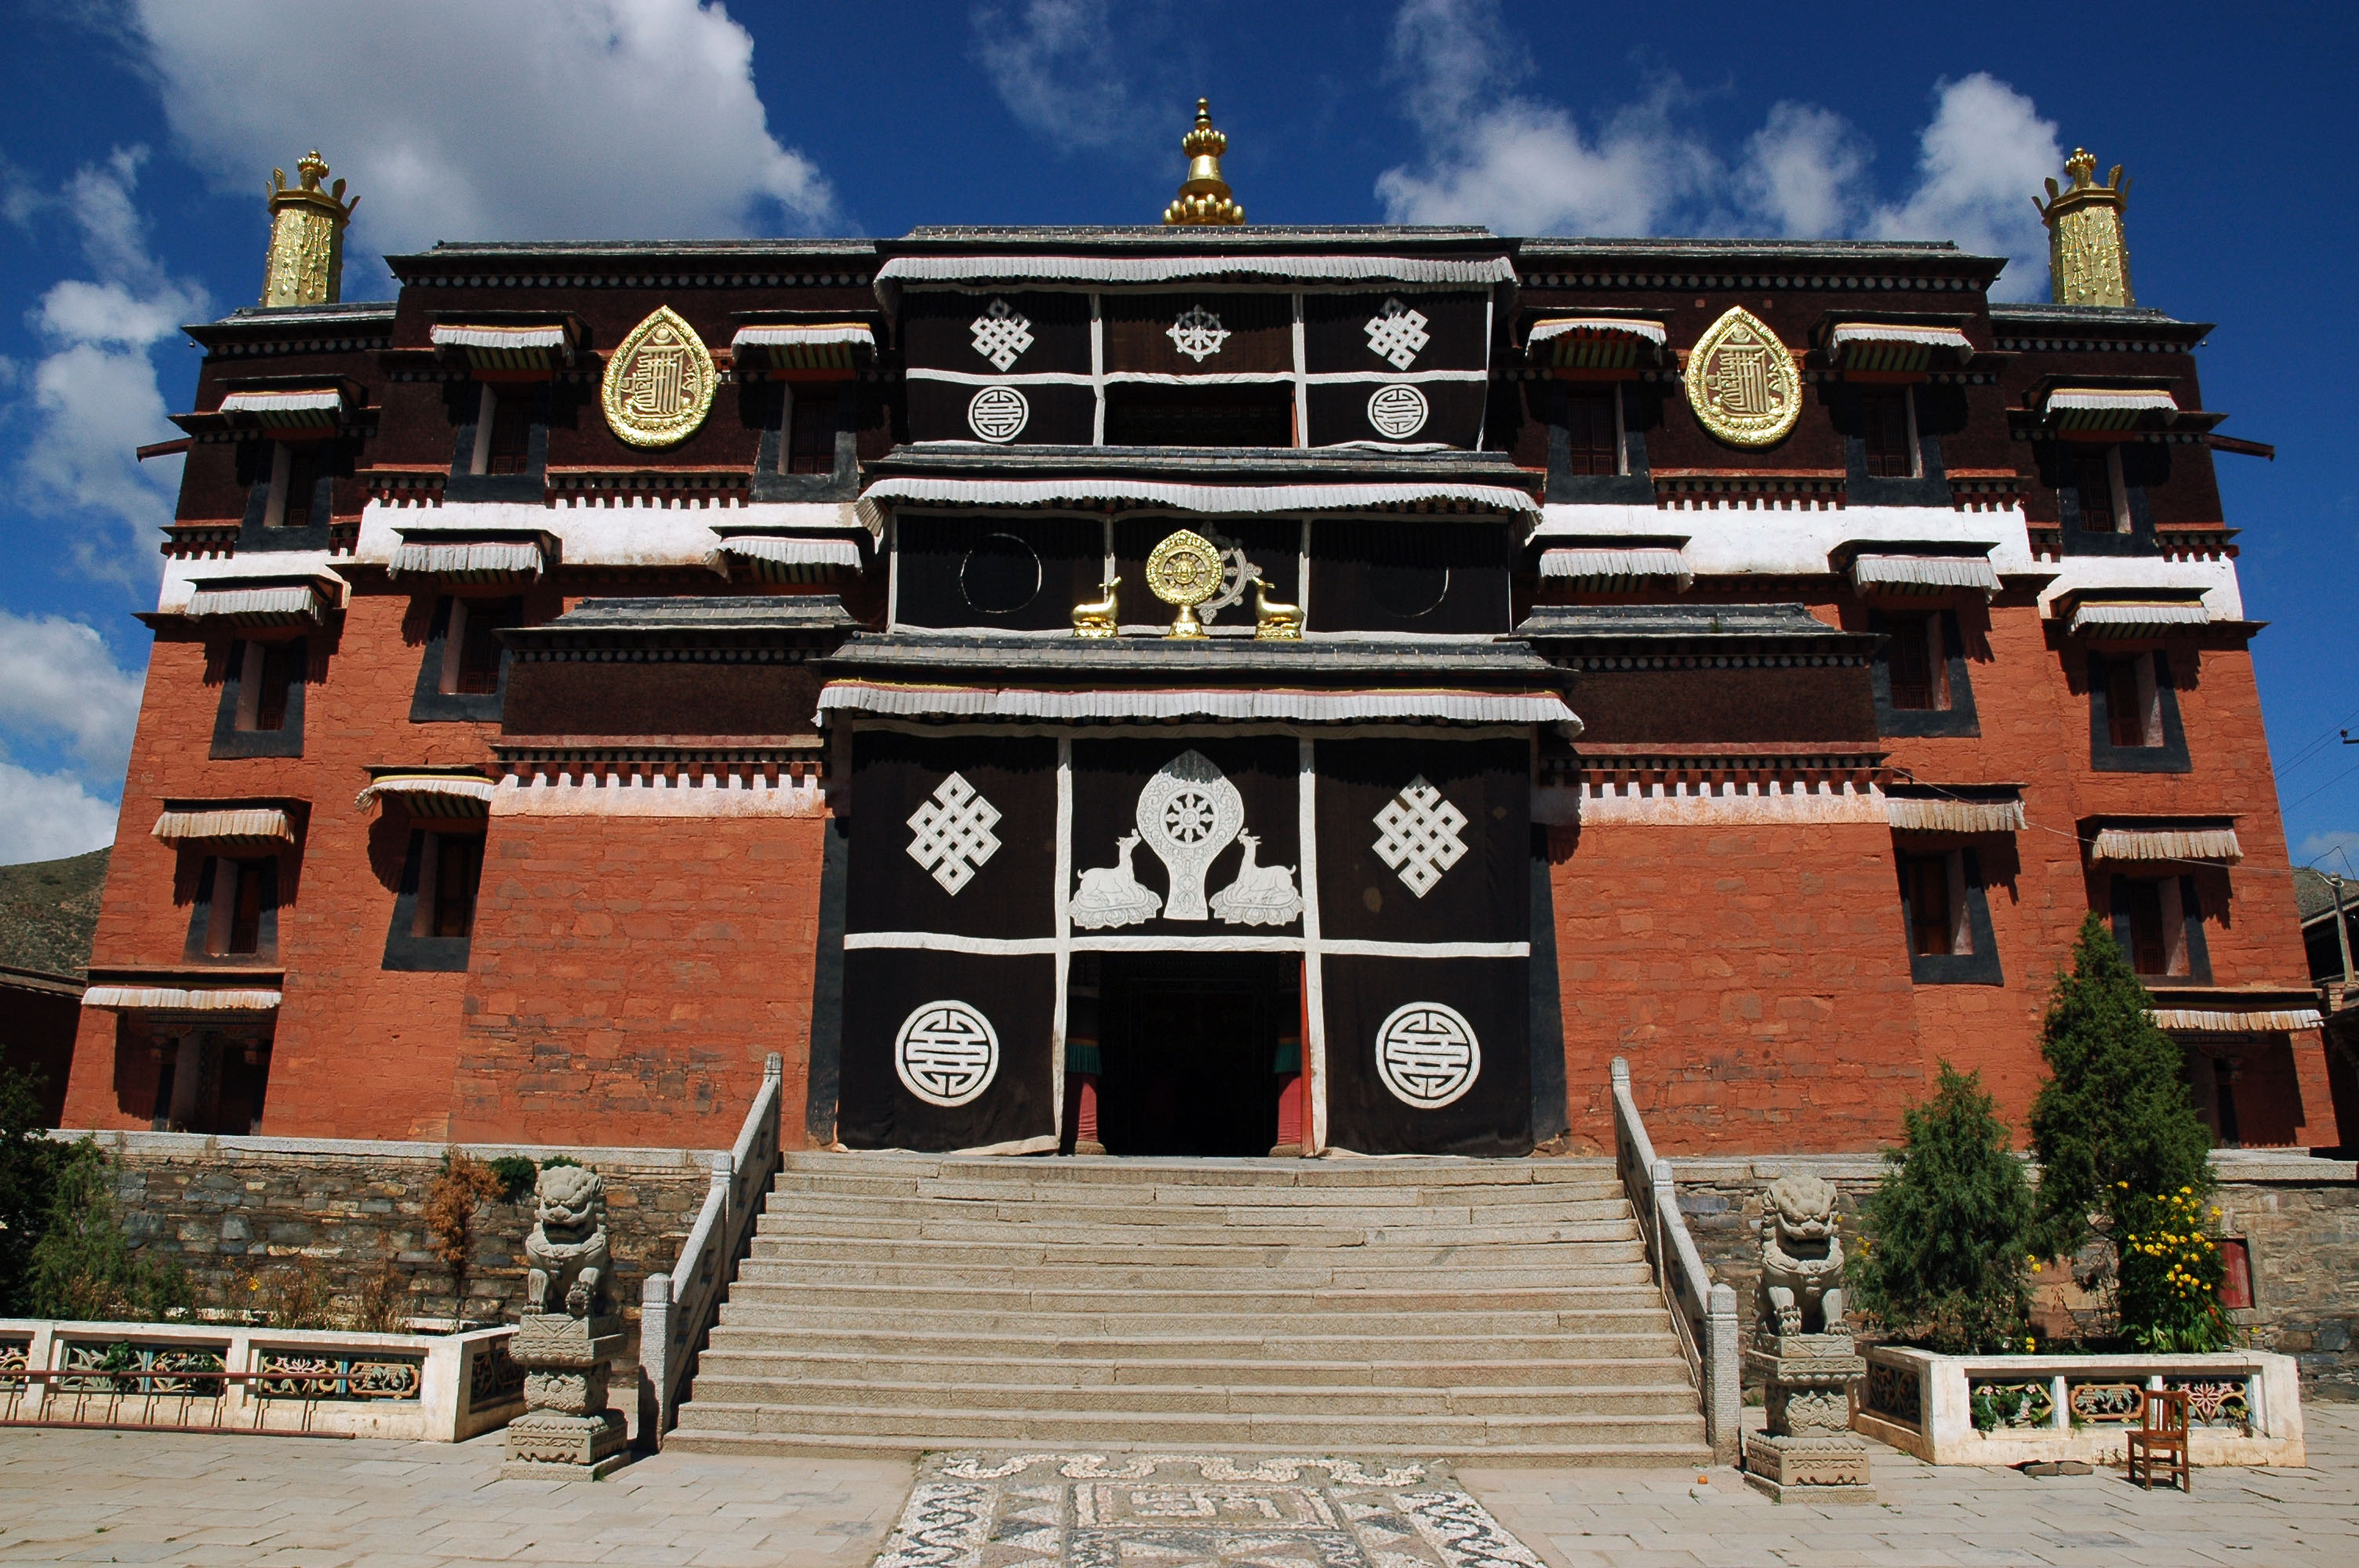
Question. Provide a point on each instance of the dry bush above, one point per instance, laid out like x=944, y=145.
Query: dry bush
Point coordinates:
x=383, y=1305
x=462, y=1185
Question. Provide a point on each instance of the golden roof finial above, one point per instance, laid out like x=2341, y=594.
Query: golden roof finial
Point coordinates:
x=306, y=236
x=1203, y=195
x=2088, y=253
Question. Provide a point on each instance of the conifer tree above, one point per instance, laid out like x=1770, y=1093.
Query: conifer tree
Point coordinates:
x=1945, y=1254
x=2115, y=1116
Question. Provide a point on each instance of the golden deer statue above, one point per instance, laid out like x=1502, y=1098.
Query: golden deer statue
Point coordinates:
x=1274, y=621
x=1097, y=618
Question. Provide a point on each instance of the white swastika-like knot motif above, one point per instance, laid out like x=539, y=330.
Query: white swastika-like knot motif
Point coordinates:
x=1001, y=334
x=1398, y=334
x=1416, y=835
x=1427, y=1054
x=953, y=833
x=1197, y=333
x=946, y=1054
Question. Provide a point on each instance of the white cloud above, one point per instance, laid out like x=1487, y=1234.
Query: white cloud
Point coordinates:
x=92, y=397
x=46, y=817
x=1056, y=67
x=59, y=676
x=2337, y=851
x=1979, y=164
x=459, y=120
x=1802, y=171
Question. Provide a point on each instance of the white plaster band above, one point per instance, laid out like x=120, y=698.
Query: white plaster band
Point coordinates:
x=629, y=795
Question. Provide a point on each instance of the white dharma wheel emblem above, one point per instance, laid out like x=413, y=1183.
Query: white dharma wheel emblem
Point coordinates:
x=998, y=414
x=1427, y=1054
x=947, y=1054
x=1397, y=411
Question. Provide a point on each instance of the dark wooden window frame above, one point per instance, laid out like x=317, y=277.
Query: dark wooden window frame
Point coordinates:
x=1979, y=968
x=200, y=911
x=772, y=480
x=2171, y=757
x=286, y=740
x=1959, y=718
x=405, y=948
x=1634, y=485
x=428, y=703
x=2190, y=916
x=464, y=483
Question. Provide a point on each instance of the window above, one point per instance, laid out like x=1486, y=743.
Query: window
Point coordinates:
x=1947, y=915
x=811, y=432
x=434, y=912
x=294, y=485
x=2104, y=498
x=470, y=648
x=1592, y=424
x=1888, y=425
x=503, y=430
x=1919, y=662
x=266, y=671
x=2159, y=923
x=236, y=913
x=2133, y=702
x=261, y=711
x=2134, y=715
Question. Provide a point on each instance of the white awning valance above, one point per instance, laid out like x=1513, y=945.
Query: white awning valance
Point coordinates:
x=431, y=794
x=2116, y=618
x=1316, y=708
x=850, y=334
x=1886, y=348
x=246, y=823
x=1923, y=814
x=169, y=999
x=2207, y=1021
x=1211, y=499
x=1611, y=567
x=2105, y=407
x=1593, y=343
x=469, y=560
x=777, y=557
x=249, y=603
x=294, y=408
x=1596, y=326
x=1873, y=573
x=2162, y=843
x=1850, y=332
x=1012, y=270
x=449, y=335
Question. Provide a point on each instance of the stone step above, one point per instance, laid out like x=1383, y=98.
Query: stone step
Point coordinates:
x=1181, y=1225
x=1114, y=1273
x=1195, y=1248
x=1643, y=1321
x=1454, y=1300
x=1324, y=1402
x=921, y=1424
x=1598, y=1453
x=809, y=1366
x=1307, y=1175
x=850, y=1189
x=1175, y=1339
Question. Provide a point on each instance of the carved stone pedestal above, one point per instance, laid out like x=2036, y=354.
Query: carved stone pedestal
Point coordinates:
x=1809, y=1451
x=566, y=1433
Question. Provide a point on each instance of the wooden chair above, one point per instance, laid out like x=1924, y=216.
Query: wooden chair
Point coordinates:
x=2161, y=1435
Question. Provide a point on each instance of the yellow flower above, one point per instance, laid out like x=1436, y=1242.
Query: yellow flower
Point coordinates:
x=2215, y=1214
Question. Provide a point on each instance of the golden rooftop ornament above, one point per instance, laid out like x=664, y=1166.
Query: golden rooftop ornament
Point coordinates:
x=1099, y=617
x=659, y=382
x=1742, y=381
x=1185, y=571
x=1203, y=195
x=2088, y=256
x=306, y=236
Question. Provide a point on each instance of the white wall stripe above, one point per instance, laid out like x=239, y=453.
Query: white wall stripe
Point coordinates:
x=1314, y=991
x=1064, y=936
x=1035, y=946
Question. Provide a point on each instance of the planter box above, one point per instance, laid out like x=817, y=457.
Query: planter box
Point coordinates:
x=420, y=1387
x=2244, y=1409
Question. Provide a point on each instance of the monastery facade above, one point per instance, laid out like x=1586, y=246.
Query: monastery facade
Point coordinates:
x=1203, y=688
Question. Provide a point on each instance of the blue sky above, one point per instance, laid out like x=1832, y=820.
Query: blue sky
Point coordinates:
x=138, y=135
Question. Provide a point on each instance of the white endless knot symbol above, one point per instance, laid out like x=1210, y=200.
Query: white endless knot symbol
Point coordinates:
x=998, y=413
x=1417, y=834
x=1197, y=333
x=1427, y=1054
x=1398, y=334
x=1189, y=817
x=947, y=1054
x=1001, y=334
x=1397, y=411
x=953, y=833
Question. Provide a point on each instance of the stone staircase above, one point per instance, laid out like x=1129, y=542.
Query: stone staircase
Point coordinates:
x=1493, y=1309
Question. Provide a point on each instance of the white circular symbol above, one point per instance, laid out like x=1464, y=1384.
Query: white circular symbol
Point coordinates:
x=1427, y=1054
x=1397, y=411
x=998, y=413
x=1189, y=816
x=947, y=1054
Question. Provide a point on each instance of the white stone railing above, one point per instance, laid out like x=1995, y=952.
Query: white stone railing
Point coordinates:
x=1704, y=1313
x=2245, y=1405
x=215, y=1377
x=677, y=1310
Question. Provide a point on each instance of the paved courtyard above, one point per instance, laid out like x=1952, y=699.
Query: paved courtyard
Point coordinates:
x=96, y=1496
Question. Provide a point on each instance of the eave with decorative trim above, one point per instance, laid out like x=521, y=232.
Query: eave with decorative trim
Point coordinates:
x=2119, y=840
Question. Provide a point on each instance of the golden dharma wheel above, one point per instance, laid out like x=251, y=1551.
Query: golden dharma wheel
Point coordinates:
x=1185, y=571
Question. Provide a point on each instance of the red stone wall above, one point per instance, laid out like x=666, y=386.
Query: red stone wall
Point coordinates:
x=630, y=974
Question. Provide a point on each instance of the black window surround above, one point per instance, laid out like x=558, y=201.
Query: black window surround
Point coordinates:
x=2142, y=464
x=1633, y=486
x=1929, y=487
x=1979, y=968
x=405, y=949
x=428, y=703
x=466, y=412
x=258, y=464
x=2191, y=918
x=1958, y=719
x=771, y=482
x=2171, y=757
x=200, y=912
x=286, y=740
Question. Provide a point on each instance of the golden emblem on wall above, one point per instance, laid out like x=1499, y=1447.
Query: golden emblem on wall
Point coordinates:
x=1742, y=382
x=659, y=382
x=1186, y=570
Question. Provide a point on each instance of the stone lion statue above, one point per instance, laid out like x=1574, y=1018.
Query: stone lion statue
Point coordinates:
x=1801, y=1259
x=565, y=1253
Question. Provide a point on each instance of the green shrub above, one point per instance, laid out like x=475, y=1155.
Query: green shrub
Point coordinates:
x=554, y=1160
x=84, y=1267
x=516, y=1175
x=1945, y=1253
x=2167, y=1288
x=28, y=1168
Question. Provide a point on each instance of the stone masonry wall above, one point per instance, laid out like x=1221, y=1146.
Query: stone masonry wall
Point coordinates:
x=2300, y=1224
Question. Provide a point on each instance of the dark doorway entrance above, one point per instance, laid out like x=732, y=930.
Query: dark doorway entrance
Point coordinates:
x=1190, y=1044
